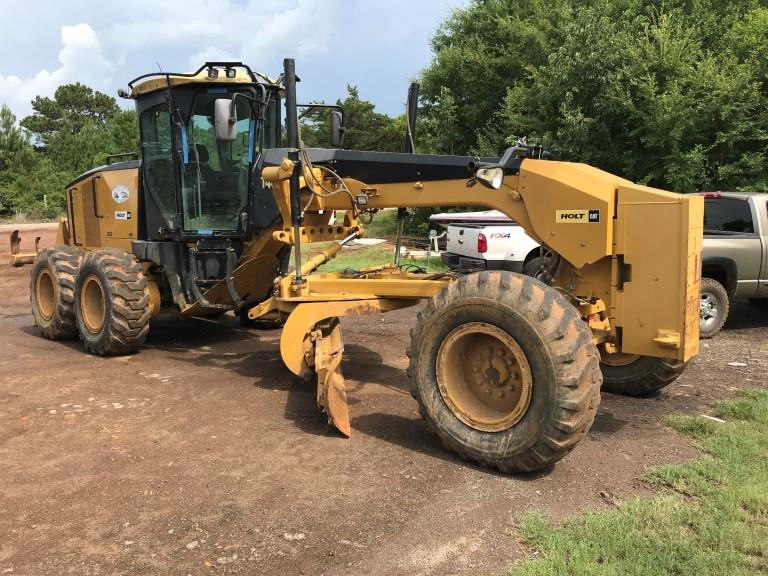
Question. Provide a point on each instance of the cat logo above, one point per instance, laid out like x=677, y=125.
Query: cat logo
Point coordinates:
x=577, y=216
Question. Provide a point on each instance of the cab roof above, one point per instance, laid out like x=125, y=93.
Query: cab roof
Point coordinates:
x=209, y=73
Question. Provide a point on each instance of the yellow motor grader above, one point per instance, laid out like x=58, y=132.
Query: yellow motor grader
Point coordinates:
x=507, y=369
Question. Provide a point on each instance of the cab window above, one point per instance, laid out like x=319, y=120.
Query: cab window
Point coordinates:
x=215, y=174
x=728, y=215
x=157, y=158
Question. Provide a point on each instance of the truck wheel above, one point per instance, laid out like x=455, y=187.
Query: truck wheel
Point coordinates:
x=51, y=292
x=505, y=371
x=713, y=307
x=634, y=375
x=112, y=303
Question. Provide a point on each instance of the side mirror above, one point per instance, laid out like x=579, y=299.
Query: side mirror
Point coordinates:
x=337, y=129
x=225, y=118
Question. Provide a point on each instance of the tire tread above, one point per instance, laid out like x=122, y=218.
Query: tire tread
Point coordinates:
x=575, y=357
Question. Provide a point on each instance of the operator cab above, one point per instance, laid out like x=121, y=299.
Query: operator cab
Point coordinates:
x=195, y=184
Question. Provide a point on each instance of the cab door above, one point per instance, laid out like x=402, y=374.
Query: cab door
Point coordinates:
x=75, y=216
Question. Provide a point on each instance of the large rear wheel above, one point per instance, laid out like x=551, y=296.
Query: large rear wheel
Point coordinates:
x=111, y=303
x=505, y=371
x=634, y=375
x=51, y=291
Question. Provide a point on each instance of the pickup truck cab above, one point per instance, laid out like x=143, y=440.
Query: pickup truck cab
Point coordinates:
x=734, y=255
x=486, y=241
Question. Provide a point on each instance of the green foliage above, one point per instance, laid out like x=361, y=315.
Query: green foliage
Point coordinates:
x=366, y=129
x=719, y=528
x=64, y=136
x=665, y=93
x=480, y=51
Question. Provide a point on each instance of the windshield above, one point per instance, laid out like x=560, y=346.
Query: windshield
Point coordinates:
x=215, y=173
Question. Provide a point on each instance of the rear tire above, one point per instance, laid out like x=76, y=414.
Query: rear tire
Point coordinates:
x=638, y=375
x=51, y=292
x=505, y=332
x=535, y=268
x=112, y=303
x=713, y=307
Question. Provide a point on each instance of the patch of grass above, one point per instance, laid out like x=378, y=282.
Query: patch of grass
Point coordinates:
x=376, y=256
x=384, y=225
x=366, y=257
x=714, y=522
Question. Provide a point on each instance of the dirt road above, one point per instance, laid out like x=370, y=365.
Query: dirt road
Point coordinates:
x=202, y=455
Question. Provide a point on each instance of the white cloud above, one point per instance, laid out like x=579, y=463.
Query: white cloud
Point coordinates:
x=374, y=44
x=258, y=32
x=80, y=60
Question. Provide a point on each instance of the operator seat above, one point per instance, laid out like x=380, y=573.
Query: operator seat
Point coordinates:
x=206, y=172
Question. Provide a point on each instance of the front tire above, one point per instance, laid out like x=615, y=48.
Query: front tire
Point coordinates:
x=51, y=292
x=713, y=307
x=633, y=375
x=505, y=371
x=111, y=303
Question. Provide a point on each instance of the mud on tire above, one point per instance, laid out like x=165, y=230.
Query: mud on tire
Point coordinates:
x=564, y=369
x=51, y=292
x=111, y=303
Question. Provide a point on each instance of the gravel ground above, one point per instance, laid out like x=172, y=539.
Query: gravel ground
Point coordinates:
x=202, y=454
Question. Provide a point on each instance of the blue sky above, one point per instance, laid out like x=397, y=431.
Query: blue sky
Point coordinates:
x=377, y=45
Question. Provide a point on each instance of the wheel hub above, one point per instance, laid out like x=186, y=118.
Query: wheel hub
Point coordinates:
x=708, y=309
x=92, y=304
x=484, y=376
x=45, y=294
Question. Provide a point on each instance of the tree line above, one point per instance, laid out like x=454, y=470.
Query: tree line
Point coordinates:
x=64, y=136
x=666, y=93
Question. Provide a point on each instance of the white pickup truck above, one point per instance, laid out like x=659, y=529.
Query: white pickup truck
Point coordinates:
x=487, y=240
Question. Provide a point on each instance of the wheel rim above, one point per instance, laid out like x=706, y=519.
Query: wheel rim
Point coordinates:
x=484, y=377
x=618, y=359
x=92, y=304
x=45, y=294
x=709, y=309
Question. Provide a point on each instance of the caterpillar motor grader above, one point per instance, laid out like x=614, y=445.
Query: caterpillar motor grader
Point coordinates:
x=507, y=369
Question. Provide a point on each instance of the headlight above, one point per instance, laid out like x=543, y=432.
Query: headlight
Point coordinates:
x=491, y=177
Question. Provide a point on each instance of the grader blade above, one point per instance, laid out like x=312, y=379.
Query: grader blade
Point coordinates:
x=18, y=258
x=311, y=344
x=331, y=392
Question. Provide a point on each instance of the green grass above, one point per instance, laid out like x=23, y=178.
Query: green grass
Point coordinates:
x=384, y=225
x=375, y=256
x=367, y=257
x=713, y=520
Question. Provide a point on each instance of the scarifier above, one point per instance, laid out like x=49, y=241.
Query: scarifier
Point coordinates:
x=506, y=369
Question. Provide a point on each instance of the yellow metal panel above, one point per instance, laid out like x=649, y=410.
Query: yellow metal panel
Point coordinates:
x=656, y=277
x=88, y=191
x=560, y=195
x=377, y=287
x=118, y=200
x=162, y=81
x=306, y=315
x=75, y=208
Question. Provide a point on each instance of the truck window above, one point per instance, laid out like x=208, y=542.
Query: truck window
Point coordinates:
x=728, y=215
